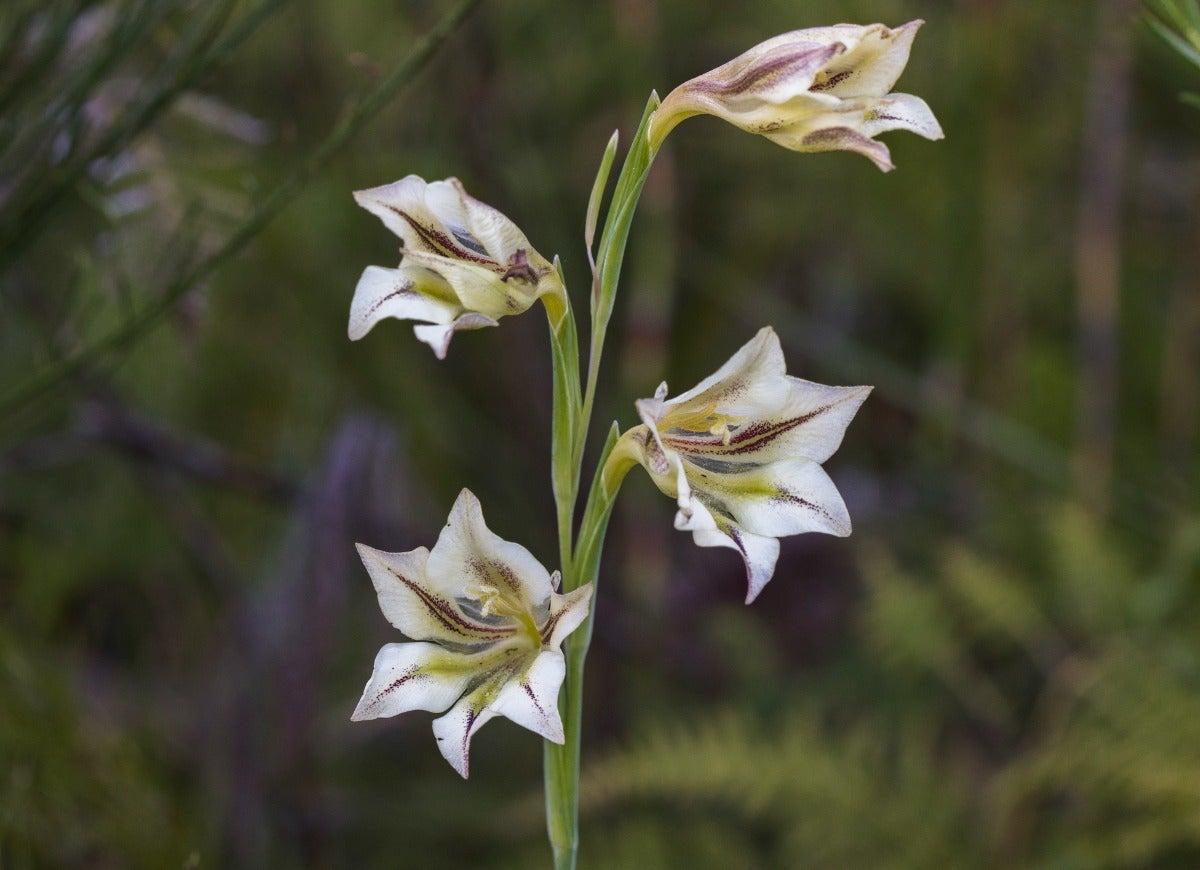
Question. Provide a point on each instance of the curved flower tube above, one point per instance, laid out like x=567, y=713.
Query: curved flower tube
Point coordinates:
x=741, y=453
x=465, y=265
x=821, y=89
x=488, y=626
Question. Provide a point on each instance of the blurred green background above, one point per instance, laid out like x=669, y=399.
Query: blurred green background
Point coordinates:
x=1000, y=668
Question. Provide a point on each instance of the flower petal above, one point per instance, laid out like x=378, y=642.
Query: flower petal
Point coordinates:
x=438, y=336
x=810, y=424
x=790, y=497
x=759, y=553
x=400, y=293
x=421, y=609
x=429, y=217
x=875, y=57
x=567, y=613
x=531, y=699
x=468, y=553
x=479, y=288
x=902, y=112
x=454, y=731
x=413, y=676
x=838, y=137
x=749, y=383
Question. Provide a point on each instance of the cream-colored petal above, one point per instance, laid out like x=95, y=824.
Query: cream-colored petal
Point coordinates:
x=438, y=336
x=789, y=497
x=423, y=610
x=812, y=140
x=479, y=288
x=531, y=698
x=413, y=676
x=430, y=217
x=759, y=553
x=851, y=124
x=901, y=112
x=567, y=613
x=810, y=424
x=398, y=293
x=454, y=731
x=468, y=555
x=498, y=235
x=875, y=57
x=748, y=385
x=748, y=90
x=401, y=207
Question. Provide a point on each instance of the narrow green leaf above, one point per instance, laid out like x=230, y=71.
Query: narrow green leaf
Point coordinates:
x=598, y=187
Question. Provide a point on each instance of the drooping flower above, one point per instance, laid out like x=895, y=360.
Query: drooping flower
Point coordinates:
x=821, y=89
x=741, y=453
x=487, y=625
x=465, y=265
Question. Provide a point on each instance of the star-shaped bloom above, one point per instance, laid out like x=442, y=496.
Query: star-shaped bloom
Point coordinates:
x=488, y=626
x=464, y=264
x=741, y=453
x=821, y=89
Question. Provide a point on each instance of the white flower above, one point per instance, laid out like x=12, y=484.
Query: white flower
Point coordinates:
x=741, y=453
x=488, y=624
x=821, y=89
x=465, y=265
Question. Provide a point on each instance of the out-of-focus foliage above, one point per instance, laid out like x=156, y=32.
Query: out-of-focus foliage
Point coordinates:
x=1023, y=717
x=1177, y=23
x=999, y=668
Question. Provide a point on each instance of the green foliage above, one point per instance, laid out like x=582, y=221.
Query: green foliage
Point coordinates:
x=1102, y=769
x=790, y=793
x=75, y=786
x=1177, y=24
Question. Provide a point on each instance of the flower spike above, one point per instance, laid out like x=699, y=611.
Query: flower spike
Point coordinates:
x=820, y=89
x=741, y=453
x=488, y=626
x=465, y=265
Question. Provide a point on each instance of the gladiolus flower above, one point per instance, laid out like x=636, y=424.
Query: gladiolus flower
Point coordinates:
x=488, y=625
x=821, y=89
x=741, y=453
x=465, y=265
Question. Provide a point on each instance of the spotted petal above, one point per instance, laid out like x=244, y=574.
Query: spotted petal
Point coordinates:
x=424, y=610
x=399, y=293
x=874, y=58
x=468, y=553
x=789, y=497
x=531, y=699
x=489, y=700
x=414, y=676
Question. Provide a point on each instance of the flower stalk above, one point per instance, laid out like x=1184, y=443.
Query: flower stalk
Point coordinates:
x=581, y=559
x=494, y=634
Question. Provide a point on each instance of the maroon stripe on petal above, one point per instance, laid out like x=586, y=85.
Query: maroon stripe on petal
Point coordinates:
x=747, y=439
x=408, y=676
x=791, y=498
x=449, y=615
x=443, y=243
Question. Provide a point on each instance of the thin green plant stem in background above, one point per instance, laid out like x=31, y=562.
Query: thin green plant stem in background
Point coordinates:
x=140, y=324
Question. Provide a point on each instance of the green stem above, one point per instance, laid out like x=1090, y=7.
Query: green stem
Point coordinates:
x=612, y=255
x=562, y=762
x=581, y=564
